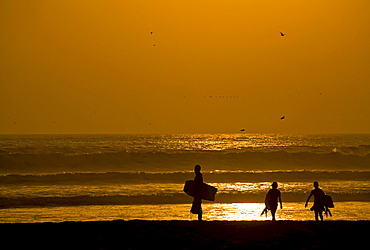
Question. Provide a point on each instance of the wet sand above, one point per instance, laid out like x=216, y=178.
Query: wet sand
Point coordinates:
x=186, y=235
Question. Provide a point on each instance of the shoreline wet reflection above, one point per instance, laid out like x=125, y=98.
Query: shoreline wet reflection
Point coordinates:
x=354, y=211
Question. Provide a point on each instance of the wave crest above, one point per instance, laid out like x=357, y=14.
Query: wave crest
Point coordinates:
x=177, y=198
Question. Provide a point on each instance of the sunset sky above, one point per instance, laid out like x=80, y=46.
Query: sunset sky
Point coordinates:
x=173, y=66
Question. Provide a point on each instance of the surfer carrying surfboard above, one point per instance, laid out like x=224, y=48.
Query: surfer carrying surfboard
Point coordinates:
x=271, y=201
x=199, y=190
x=319, y=201
x=196, y=207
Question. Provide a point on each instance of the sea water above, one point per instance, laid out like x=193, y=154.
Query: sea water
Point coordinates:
x=54, y=178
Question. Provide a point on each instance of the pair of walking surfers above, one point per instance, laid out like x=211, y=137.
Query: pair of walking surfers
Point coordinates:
x=273, y=198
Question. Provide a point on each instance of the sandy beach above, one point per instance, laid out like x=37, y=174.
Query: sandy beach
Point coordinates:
x=186, y=235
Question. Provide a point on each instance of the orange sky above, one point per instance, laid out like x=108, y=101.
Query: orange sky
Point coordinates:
x=210, y=66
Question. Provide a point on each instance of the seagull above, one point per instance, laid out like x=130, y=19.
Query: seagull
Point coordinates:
x=282, y=34
x=282, y=118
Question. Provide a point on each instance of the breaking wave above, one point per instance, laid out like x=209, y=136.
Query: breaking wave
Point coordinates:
x=178, y=198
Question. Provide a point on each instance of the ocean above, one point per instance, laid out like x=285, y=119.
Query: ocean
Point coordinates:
x=55, y=178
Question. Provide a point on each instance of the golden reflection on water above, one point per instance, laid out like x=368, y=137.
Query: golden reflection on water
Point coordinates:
x=218, y=142
x=252, y=211
x=211, y=212
x=236, y=211
x=242, y=186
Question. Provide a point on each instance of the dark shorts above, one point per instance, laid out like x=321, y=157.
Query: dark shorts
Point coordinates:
x=196, y=207
x=273, y=206
x=318, y=208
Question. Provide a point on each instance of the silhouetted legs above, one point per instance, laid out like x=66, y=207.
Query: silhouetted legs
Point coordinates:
x=273, y=212
x=318, y=213
x=200, y=216
x=196, y=208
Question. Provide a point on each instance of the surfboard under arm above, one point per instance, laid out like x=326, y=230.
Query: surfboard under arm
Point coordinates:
x=208, y=192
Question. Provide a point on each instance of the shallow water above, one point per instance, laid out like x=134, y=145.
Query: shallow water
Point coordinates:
x=211, y=211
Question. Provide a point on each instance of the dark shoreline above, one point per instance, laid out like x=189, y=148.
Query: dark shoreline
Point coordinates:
x=138, y=234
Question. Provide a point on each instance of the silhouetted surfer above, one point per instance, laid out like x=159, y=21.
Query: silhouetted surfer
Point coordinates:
x=272, y=198
x=319, y=201
x=196, y=207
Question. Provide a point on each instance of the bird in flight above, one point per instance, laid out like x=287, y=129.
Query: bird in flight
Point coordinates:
x=242, y=129
x=282, y=118
x=282, y=34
